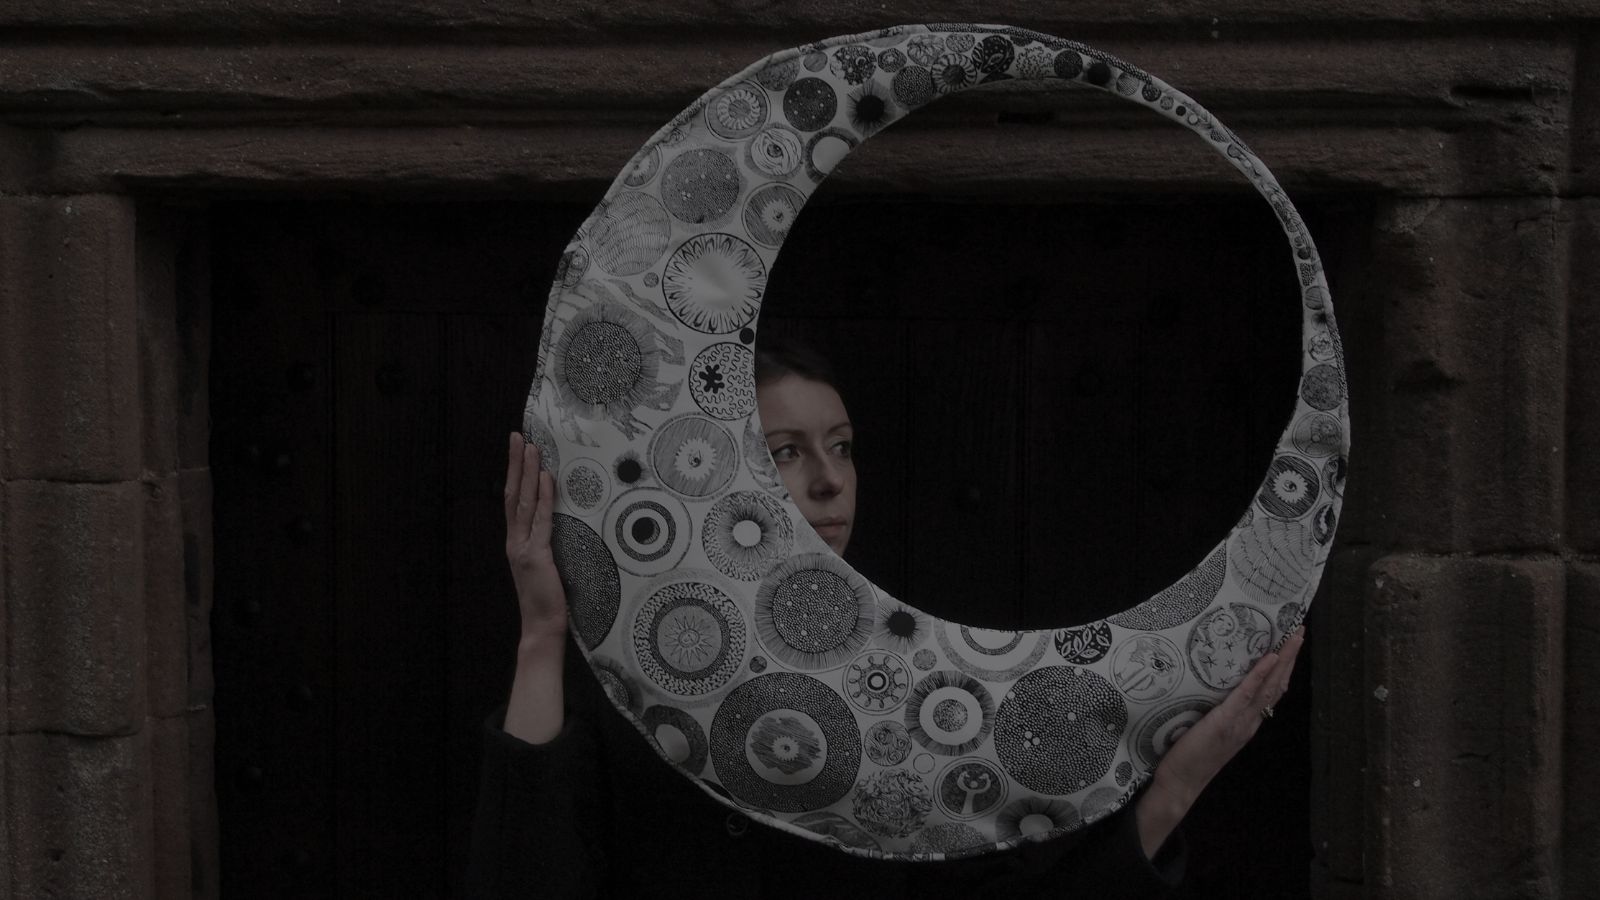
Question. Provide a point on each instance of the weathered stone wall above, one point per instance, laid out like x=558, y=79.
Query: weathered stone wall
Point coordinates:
x=1454, y=743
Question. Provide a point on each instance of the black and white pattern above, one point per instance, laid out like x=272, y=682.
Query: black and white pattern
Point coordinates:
x=1160, y=729
x=722, y=381
x=912, y=737
x=876, y=682
x=649, y=530
x=970, y=788
x=714, y=283
x=814, y=612
x=1084, y=644
x=1226, y=642
x=1147, y=667
x=693, y=456
x=1058, y=728
x=689, y=638
x=678, y=735
x=1035, y=817
x=888, y=743
x=585, y=485
x=950, y=713
x=785, y=742
x=700, y=187
x=745, y=534
x=991, y=655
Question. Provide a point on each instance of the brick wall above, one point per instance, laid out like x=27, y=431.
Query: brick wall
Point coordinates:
x=1453, y=740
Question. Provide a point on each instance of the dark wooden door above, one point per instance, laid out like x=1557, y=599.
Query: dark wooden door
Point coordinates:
x=1129, y=367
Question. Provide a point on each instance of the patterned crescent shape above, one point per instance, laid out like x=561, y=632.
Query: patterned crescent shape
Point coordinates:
x=822, y=699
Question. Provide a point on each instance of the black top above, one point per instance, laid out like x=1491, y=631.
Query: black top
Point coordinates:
x=596, y=813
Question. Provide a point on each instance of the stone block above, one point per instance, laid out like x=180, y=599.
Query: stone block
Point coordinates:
x=70, y=356
x=194, y=341
x=1464, y=442
x=79, y=814
x=159, y=350
x=74, y=583
x=1581, y=828
x=1336, y=633
x=1583, y=388
x=1463, y=726
x=194, y=486
x=165, y=600
x=170, y=812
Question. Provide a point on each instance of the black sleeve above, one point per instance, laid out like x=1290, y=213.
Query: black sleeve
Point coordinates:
x=535, y=834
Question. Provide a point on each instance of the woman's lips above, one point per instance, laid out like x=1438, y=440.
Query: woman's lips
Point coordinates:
x=829, y=528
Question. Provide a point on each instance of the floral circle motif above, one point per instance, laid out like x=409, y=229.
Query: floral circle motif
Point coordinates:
x=738, y=112
x=714, y=283
x=993, y=55
x=960, y=43
x=1290, y=489
x=913, y=86
x=876, y=682
x=746, y=533
x=891, y=60
x=722, y=381
x=1034, y=63
x=953, y=72
x=689, y=638
x=771, y=211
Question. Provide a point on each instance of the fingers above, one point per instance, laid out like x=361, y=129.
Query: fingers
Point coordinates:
x=513, y=479
x=1290, y=652
x=545, y=508
x=522, y=502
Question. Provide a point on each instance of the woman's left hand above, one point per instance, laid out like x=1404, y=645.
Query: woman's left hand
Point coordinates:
x=1208, y=744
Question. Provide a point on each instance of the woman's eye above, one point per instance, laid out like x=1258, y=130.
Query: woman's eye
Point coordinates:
x=844, y=449
x=785, y=453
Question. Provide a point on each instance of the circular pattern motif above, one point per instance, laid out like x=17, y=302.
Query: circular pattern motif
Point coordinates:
x=603, y=362
x=693, y=456
x=723, y=381
x=989, y=654
x=1058, y=728
x=650, y=529
x=1035, y=817
x=801, y=735
x=679, y=736
x=1226, y=642
x=689, y=638
x=1157, y=732
x=700, y=186
x=913, y=86
x=738, y=112
x=714, y=283
x=902, y=628
x=970, y=787
x=1318, y=435
x=949, y=713
x=619, y=687
x=824, y=150
x=1146, y=667
x=584, y=485
x=1084, y=644
x=1322, y=388
x=924, y=659
x=876, y=682
x=746, y=533
x=770, y=212
x=949, y=840
x=892, y=804
x=814, y=612
x=589, y=575
x=1290, y=489
x=644, y=168
x=810, y=104
x=888, y=744
x=775, y=151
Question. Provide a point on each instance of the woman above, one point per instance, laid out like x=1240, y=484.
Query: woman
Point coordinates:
x=574, y=804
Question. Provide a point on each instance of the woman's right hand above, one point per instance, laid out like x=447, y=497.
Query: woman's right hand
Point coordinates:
x=530, y=502
x=535, y=711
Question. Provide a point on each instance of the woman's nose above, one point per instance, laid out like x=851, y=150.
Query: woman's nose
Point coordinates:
x=828, y=478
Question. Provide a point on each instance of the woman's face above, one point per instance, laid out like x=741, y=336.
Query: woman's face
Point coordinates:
x=809, y=434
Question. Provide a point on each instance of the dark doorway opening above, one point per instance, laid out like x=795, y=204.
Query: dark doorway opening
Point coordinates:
x=1060, y=409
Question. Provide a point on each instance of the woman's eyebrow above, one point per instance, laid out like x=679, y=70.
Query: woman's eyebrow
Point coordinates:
x=842, y=425
x=781, y=431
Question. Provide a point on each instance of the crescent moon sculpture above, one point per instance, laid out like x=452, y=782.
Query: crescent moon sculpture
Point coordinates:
x=750, y=657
